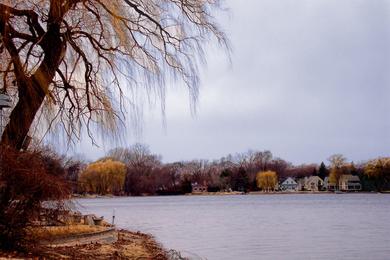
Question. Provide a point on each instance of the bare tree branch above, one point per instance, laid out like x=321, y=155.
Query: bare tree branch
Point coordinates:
x=83, y=58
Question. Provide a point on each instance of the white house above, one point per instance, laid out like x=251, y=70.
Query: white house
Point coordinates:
x=313, y=183
x=349, y=182
x=289, y=185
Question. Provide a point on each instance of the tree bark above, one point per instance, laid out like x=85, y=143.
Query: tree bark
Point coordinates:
x=22, y=117
x=33, y=90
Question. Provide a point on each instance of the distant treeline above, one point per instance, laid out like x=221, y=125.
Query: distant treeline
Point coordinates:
x=137, y=171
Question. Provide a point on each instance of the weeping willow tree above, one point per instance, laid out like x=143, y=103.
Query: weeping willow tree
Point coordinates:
x=77, y=58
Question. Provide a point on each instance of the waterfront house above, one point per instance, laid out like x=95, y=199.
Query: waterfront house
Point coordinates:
x=198, y=188
x=313, y=183
x=349, y=182
x=289, y=185
x=328, y=185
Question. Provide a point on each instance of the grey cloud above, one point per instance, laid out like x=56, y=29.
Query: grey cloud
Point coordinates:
x=307, y=79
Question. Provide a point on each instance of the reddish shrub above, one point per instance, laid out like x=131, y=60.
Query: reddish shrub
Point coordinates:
x=27, y=179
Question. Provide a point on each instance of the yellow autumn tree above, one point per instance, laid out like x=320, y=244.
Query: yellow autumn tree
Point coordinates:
x=267, y=181
x=378, y=170
x=337, y=168
x=103, y=177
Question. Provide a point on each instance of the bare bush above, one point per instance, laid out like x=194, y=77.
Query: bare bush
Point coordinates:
x=27, y=180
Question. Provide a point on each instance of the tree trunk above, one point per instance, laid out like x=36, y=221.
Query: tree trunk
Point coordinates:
x=32, y=90
x=22, y=116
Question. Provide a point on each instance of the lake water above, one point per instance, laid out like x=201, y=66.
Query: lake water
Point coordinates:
x=302, y=226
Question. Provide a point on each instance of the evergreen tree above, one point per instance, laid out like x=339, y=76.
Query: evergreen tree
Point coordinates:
x=323, y=171
x=240, y=180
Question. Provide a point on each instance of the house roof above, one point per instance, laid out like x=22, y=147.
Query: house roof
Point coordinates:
x=315, y=179
x=349, y=177
x=289, y=180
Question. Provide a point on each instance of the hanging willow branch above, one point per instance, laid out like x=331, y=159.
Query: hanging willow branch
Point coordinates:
x=80, y=57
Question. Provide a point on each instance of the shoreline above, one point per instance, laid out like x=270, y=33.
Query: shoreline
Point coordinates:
x=95, y=196
x=130, y=245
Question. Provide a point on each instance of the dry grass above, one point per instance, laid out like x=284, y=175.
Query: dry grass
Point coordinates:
x=53, y=232
x=130, y=245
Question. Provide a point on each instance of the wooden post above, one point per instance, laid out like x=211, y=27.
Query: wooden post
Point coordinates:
x=113, y=217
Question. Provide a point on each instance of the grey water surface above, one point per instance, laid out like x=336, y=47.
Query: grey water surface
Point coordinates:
x=301, y=226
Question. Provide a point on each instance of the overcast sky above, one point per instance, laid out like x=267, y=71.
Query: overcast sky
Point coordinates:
x=307, y=79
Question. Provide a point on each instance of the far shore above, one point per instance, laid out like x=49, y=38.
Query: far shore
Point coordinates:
x=95, y=196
